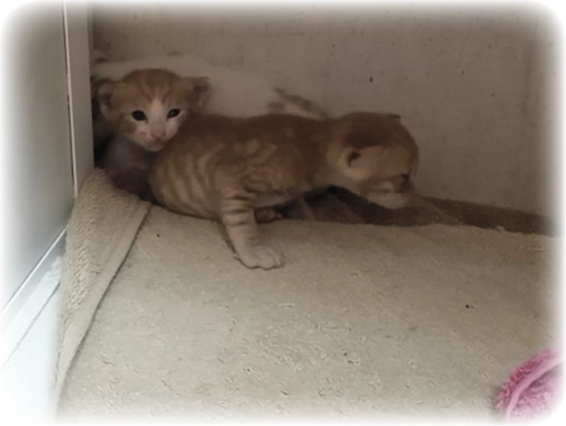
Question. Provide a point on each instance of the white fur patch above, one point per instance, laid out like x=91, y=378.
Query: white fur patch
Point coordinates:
x=156, y=120
x=157, y=129
x=235, y=93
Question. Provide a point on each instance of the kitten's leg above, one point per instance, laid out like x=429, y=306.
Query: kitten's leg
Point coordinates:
x=237, y=215
x=267, y=214
x=127, y=165
x=299, y=209
x=303, y=209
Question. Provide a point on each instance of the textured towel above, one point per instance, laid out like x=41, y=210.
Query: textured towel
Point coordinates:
x=535, y=392
x=361, y=321
x=100, y=232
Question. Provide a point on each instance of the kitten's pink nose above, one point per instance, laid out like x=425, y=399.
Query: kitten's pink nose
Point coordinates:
x=157, y=133
x=156, y=136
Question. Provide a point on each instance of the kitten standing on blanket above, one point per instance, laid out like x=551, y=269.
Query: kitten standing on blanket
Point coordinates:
x=225, y=168
x=124, y=89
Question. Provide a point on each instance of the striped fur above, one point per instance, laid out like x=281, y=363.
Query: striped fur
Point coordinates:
x=224, y=168
x=118, y=137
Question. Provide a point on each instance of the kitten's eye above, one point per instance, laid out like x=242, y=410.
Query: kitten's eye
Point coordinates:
x=173, y=113
x=138, y=115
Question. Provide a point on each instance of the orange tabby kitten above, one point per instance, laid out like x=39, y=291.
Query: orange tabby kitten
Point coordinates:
x=138, y=114
x=142, y=111
x=224, y=168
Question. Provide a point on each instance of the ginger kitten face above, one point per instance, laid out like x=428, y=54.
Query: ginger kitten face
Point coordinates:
x=379, y=158
x=149, y=106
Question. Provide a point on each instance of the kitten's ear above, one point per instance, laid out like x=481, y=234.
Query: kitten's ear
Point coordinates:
x=357, y=163
x=199, y=88
x=350, y=157
x=95, y=85
x=200, y=84
x=104, y=91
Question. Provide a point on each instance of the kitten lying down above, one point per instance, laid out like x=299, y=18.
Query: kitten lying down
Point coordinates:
x=231, y=92
x=223, y=91
x=225, y=168
x=143, y=111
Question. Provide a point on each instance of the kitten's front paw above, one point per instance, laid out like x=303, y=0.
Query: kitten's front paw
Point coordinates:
x=260, y=257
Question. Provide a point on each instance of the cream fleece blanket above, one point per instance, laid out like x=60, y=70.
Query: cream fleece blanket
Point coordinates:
x=362, y=322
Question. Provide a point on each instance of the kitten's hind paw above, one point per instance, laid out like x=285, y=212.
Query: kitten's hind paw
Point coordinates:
x=267, y=214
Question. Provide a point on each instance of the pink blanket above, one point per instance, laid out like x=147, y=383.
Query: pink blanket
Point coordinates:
x=535, y=392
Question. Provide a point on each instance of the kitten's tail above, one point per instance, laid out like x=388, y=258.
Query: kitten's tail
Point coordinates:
x=295, y=104
x=96, y=58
